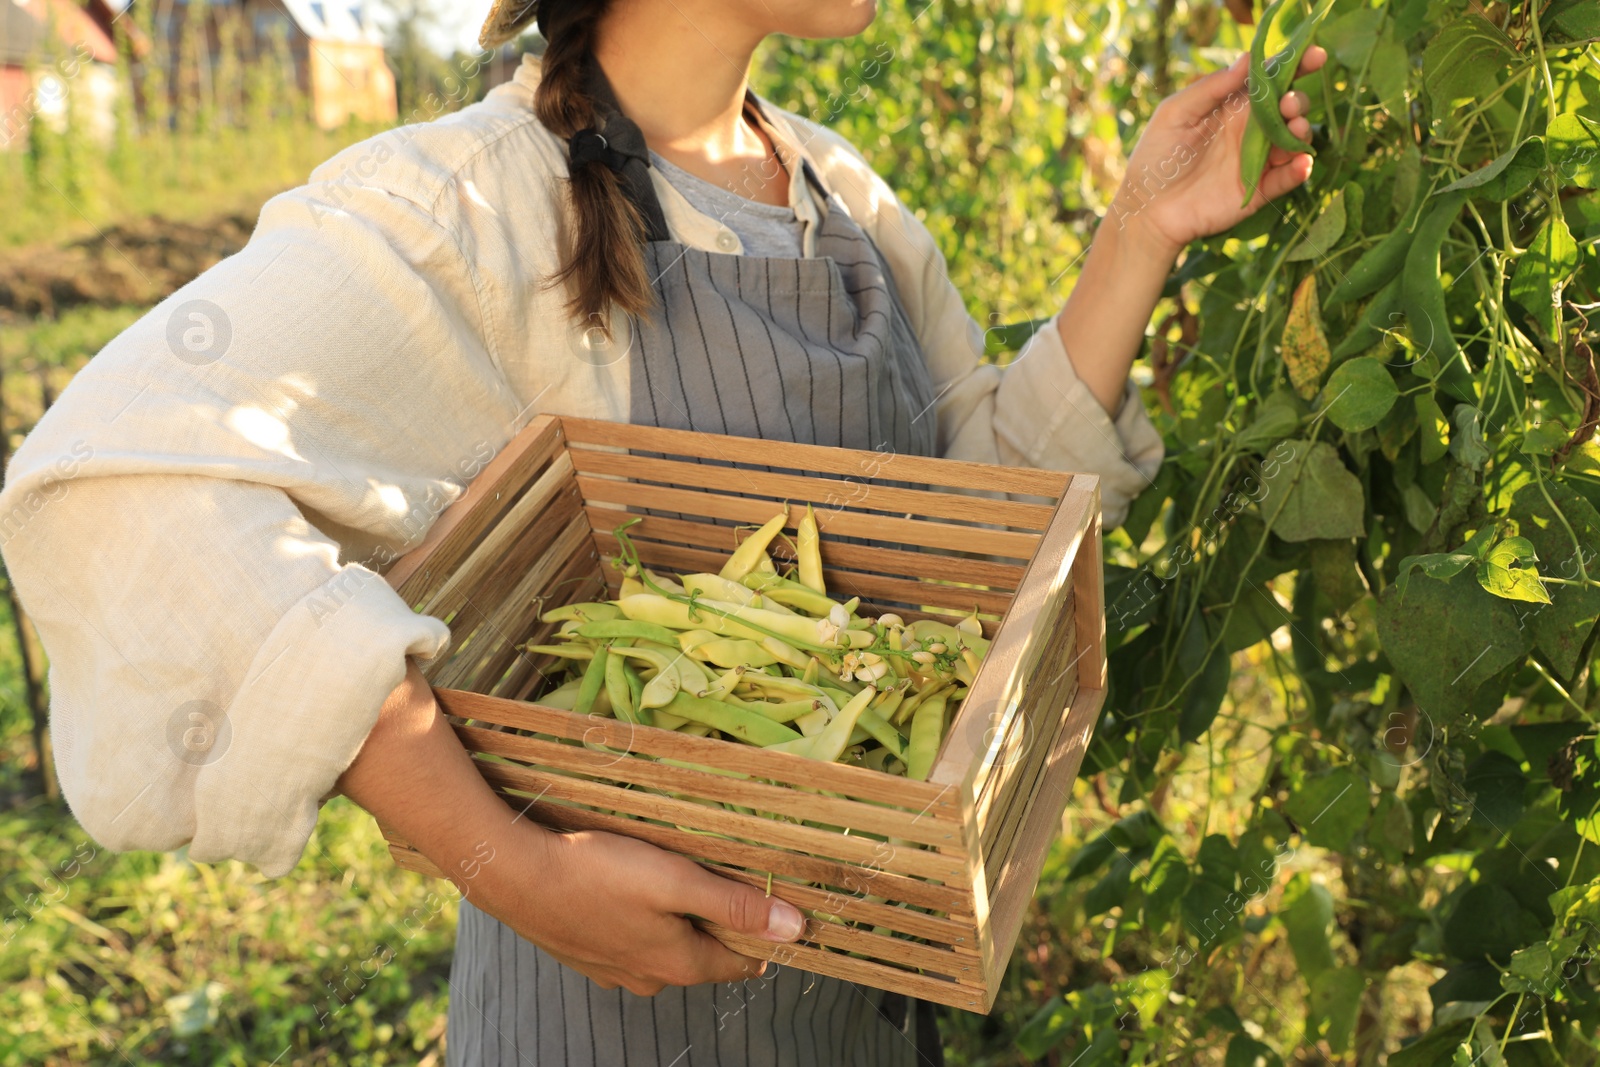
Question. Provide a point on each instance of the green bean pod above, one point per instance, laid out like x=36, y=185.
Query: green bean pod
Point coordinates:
x=725, y=718
x=632, y=629
x=792, y=594
x=1379, y=317
x=748, y=556
x=836, y=737
x=808, y=546
x=1271, y=77
x=878, y=728
x=1423, y=300
x=585, y=612
x=621, y=696
x=1253, y=152
x=594, y=676
x=1378, y=265
x=927, y=732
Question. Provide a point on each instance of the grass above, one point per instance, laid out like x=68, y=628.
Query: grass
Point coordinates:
x=71, y=196
x=148, y=958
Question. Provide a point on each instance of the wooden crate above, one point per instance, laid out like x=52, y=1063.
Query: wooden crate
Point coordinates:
x=949, y=864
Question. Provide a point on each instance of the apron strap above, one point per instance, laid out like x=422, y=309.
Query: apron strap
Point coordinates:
x=624, y=137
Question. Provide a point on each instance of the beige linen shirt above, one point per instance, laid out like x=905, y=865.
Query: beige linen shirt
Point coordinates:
x=188, y=524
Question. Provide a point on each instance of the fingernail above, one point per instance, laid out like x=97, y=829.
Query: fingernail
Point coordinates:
x=784, y=922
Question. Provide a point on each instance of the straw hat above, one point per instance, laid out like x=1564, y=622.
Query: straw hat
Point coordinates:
x=506, y=20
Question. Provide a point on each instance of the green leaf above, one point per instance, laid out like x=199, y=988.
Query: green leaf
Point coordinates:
x=1389, y=75
x=1305, y=341
x=1335, y=1002
x=1577, y=20
x=1359, y=394
x=1436, y=1048
x=1575, y=150
x=1467, y=443
x=1507, y=571
x=1450, y=641
x=1419, y=507
x=1246, y=1051
x=1331, y=808
x=1308, y=493
x=1464, y=61
x=1435, y=443
x=1488, y=921
x=1112, y=889
x=1166, y=881
x=1324, y=231
x=1531, y=970
x=1391, y=830
x=1276, y=418
x=1333, y=568
x=1209, y=671
x=1560, y=629
x=1540, y=279
x=1577, y=904
x=1350, y=37
x=1308, y=918
x=1498, y=787
x=1507, y=176
x=1544, y=437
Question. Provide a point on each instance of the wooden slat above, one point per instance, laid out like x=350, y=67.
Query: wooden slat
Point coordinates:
x=946, y=473
x=1026, y=625
x=1013, y=888
x=1088, y=580
x=842, y=563
x=999, y=834
x=895, y=951
x=959, y=935
x=579, y=581
x=489, y=640
x=934, y=802
x=524, y=517
x=1035, y=718
x=938, y=535
x=501, y=573
x=687, y=814
x=829, y=495
x=851, y=877
x=455, y=531
x=864, y=972
x=858, y=817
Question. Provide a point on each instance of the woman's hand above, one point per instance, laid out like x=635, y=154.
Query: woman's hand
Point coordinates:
x=610, y=907
x=613, y=909
x=1183, y=178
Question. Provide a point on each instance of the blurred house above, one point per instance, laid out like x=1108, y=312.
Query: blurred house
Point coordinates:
x=336, y=49
x=52, y=51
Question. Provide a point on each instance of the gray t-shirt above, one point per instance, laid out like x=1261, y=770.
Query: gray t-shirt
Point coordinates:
x=766, y=231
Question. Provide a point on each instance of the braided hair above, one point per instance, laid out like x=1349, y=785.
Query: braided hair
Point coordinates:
x=602, y=242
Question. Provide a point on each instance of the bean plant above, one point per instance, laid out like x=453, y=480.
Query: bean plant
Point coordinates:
x=1381, y=503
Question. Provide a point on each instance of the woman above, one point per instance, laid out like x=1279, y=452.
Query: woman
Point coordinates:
x=631, y=236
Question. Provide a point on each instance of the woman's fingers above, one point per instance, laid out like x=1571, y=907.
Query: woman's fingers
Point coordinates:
x=737, y=906
x=1286, y=177
x=1312, y=61
x=1294, y=105
x=714, y=962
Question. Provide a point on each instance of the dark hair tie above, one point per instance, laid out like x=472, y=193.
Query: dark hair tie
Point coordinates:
x=588, y=146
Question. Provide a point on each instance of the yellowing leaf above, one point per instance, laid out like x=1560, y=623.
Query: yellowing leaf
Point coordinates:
x=1305, y=342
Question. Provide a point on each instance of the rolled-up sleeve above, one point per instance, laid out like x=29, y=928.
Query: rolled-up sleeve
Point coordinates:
x=1034, y=411
x=189, y=525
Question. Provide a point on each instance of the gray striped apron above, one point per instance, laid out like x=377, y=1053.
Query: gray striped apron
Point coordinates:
x=813, y=350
